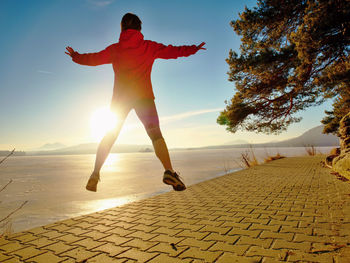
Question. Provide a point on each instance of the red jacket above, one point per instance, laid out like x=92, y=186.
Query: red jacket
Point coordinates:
x=132, y=58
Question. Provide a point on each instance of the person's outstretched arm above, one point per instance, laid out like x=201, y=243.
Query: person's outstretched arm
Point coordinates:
x=167, y=52
x=92, y=59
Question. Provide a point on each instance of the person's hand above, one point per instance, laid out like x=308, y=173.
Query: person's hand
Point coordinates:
x=70, y=51
x=200, y=46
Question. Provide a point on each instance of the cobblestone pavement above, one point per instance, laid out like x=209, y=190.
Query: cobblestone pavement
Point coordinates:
x=288, y=210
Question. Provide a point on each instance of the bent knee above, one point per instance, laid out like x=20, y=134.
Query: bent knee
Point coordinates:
x=154, y=132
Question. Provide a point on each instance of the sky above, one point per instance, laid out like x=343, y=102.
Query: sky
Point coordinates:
x=46, y=98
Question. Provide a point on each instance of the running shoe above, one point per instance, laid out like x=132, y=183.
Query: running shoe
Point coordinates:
x=92, y=183
x=174, y=180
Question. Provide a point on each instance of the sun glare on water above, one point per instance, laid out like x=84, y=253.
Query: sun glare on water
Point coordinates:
x=102, y=121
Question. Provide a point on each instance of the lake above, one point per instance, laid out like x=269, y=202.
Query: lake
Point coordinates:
x=54, y=186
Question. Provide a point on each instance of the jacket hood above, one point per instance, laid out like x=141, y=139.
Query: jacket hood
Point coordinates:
x=130, y=38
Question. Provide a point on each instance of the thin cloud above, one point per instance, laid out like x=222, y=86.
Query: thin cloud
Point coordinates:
x=186, y=115
x=44, y=72
x=168, y=119
x=100, y=3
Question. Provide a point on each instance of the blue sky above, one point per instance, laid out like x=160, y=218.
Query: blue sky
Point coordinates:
x=47, y=98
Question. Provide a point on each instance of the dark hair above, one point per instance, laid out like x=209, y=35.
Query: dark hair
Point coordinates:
x=131, y=21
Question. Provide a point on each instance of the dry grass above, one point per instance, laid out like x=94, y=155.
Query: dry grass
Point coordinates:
x=273, y=158
x=249, y=159
x=310, y=150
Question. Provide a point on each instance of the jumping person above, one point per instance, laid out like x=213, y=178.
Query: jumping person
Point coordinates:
x=132, y=59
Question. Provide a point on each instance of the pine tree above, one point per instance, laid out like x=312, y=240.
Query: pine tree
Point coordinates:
x=294, y=54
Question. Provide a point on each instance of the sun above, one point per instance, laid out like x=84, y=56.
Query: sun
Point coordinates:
x=102, y=121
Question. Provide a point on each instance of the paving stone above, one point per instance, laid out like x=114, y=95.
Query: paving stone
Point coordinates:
x=218, y=237
x=166, y=231
x=70, y=260
x=143, y=235
x=53, y=234
x=302, y=246
x=255, y=220
x=96, y=235
x=244, y=240
x=69, y=238
x=79, y=254
x=120, y=231
x=233, y=258
x=137, y=255
x=77, y=231
x=57, y=227
x=274, y=235
x=107, y=222
x=41, y=242
x=104, y=258
x=244, y=232
x=307, y=257
x=25, y=238
x=102, y=228
x=274, y=228
x=271, y=260
x=215, y=229
x=13, y=260
x=162, y=258
x=283, y=223
x=27, y=252
x=84, y=225
x=288, y=229
x=205, y=222
x=167, y=217
x=187, y=220
x=192, y=242
x=223, y=246
x=12, y=246
x=124, y=225
x=115, y=239
x=307, y=238
x=4, y=257
x=69, y=222
x=165, y=238
x=139, y=243
x=235, y=225
x=146, y=222
x=4, y=240
x=59, y=247
x=47, y=257
x=166, y=224
x=89, y=243
x=37, y=230
x=260, y=251
x=188, y=233
x=170, y=249
x=111, y=249
x=144, y=228
x=207, y=256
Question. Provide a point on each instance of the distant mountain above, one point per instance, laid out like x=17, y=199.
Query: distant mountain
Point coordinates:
x=237, y=142
x=51, y=146
x=312, y=137
x=90, y=148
